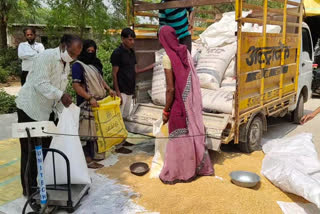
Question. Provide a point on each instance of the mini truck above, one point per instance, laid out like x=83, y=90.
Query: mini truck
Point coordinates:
x=273, y=70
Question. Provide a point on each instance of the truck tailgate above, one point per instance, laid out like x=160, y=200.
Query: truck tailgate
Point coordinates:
x=144, y=115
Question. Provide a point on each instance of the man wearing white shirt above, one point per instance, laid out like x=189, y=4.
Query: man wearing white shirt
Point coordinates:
x=28, y=51
x=43, y=96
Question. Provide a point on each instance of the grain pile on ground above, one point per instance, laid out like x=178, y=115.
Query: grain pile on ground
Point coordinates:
x=206, y=194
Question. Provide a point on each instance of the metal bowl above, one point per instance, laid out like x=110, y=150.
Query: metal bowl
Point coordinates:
x=139, y=168
x=244, y=178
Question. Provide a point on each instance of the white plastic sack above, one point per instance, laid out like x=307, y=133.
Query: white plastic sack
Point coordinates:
x=298, y=208
x=223, y=31
x=159, y=131
x=71, y=147
x=197, y=48
x=217, y=100
x=228, y=84
x=255, y=28
x=212, y=65
x=231, y=69
x=159, y=85
x=292, y=165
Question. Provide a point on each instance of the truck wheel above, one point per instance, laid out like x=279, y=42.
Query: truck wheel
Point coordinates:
x=254, y=136
x=299, y=111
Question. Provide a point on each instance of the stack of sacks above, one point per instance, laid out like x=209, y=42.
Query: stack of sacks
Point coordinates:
x=215, y=62
x=221, y=59
x=221, y=99
x=216, y=72
x=216, y=65
x=212, y=65
x=158, y=92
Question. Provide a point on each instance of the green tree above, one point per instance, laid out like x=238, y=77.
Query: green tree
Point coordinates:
x=29, y=15
x=9, y=10
x=80, y=13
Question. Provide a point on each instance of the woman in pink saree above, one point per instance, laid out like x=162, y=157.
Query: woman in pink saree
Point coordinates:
x=186, y=153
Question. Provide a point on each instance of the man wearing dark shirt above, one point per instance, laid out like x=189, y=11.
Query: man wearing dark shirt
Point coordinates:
x=124, y=69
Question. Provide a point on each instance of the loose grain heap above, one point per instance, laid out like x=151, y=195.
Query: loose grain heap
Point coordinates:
x=206, y=194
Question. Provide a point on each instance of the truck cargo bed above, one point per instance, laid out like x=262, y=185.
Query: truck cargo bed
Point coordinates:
x=144, y=115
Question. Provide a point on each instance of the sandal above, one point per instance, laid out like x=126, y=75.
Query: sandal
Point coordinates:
x=128, y=144
x=98, y=159
x=95, y=165
x=123, y=150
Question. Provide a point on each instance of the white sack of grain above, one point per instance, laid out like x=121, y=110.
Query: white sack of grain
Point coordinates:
x=231, y=69
x=228, y=84
x=217, y=100
x=158, y=92
x=255, y=28
x=223, y=31
x=292, y=164
x=212, y=65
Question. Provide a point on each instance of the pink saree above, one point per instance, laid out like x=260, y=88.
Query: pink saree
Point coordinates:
x=186, y=153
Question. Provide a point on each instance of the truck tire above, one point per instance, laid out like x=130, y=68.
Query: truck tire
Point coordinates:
x=299, y=111
x=254, y=136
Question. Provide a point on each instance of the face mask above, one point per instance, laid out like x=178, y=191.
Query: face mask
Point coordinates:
x=66, y=57
x=91, y=56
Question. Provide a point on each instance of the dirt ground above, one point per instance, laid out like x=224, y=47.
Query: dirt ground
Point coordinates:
x=12, y=87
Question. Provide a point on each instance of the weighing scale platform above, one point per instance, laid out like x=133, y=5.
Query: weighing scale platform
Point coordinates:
x=60, y=198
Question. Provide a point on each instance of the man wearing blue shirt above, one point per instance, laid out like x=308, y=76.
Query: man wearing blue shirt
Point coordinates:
x=178, y=19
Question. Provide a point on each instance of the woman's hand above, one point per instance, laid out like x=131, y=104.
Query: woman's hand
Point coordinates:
x=307, y=117
x=165, y=118
x=93, y=102
x=112, y=93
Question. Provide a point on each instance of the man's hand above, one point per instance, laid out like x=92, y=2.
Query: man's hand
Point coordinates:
x=190, y=27
x=66, y=100
x=306, y=118
x=93, y=102
x=112, y=93
x=119, y=95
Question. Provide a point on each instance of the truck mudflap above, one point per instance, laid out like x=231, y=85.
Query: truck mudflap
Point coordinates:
x=144, y=115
